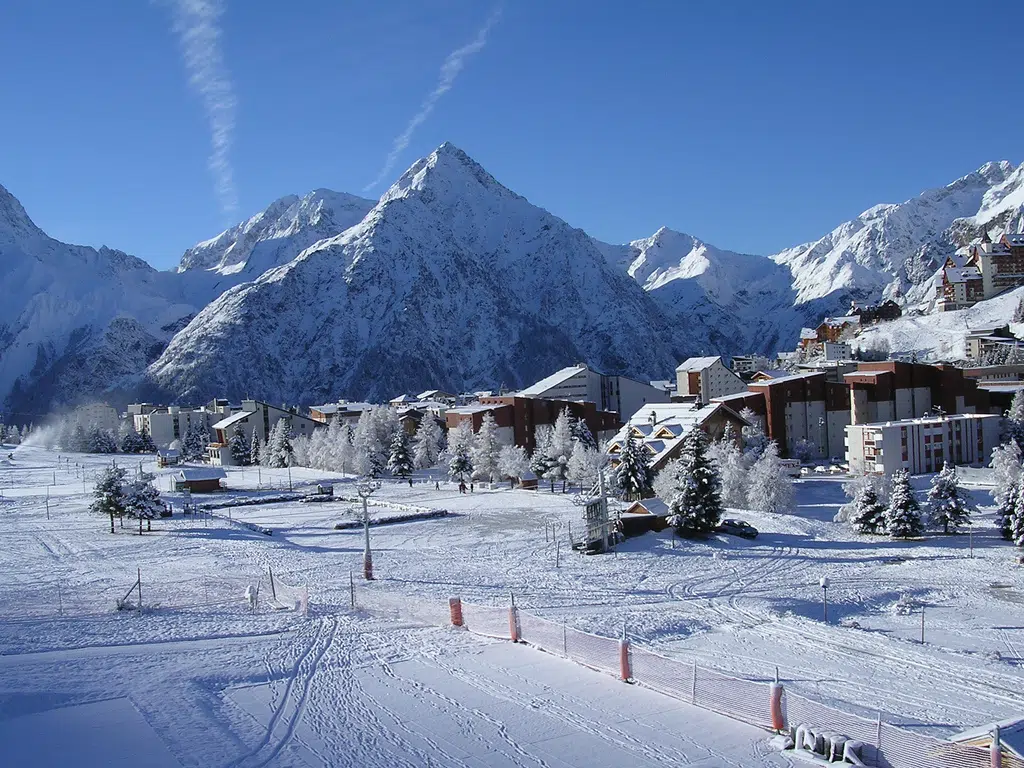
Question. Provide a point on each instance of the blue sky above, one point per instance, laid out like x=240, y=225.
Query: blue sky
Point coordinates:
x=752, y=125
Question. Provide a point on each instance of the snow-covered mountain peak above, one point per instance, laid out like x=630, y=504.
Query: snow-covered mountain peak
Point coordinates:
x=447, y=171
x=274, y=236
x=15, y=223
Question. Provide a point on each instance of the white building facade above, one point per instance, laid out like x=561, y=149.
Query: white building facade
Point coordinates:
x=922, y=445
x=578, y=383
x=706, y=378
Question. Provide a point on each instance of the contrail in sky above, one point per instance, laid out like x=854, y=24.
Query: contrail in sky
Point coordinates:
x=196, y=23
x=451, y=68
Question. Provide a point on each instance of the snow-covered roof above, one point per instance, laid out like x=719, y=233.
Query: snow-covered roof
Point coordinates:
x=787, y=377
x=679, y=419
x=168, y=453
x=556, y=378
x=192, y=474
x=431, y=394
x=727, y=399
x=476, y=408
x=962, y=274
x=693, y=364
x=808, y=333
x=836, y=322
x=1011, y=735
x=774, y=373
x=653, y=506
x=401, y=399
x=330, y=408
x=232, y=420
x=1016, y=239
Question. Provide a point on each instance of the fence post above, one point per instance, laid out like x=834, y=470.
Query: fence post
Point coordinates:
x=775, y=704
x=455, y=610
x=878, y=732
x=693, y=687
x=625, y=668
x=997, y=749
x=513, y=621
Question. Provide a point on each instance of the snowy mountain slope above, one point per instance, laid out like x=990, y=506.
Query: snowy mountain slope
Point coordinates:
x=893, y=251
x=70, y=308
x=940, y=336
x=451, y=281
x=269, y=239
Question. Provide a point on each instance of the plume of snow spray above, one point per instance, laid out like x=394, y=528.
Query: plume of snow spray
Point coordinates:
x=450, y=70
x=196, y=24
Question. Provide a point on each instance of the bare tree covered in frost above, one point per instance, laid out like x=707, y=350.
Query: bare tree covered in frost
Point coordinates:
x=559, y=448
x=585, y=464
x=769, y=487
x=513, y=463
x=754, y=438
x=484, y=449
x=427, y=443
x=732, y=469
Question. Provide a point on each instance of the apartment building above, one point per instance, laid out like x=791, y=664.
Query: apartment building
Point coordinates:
x=922, y=445
x=579, y=383
x=706, y=378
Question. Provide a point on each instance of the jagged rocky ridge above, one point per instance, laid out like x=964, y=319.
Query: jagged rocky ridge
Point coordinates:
x=450, y=280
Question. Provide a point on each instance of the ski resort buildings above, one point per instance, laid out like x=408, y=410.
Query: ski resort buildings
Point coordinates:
x=254, y=417
x=706, y=378
x=580, y=383
x=921, y=445
x=661, y=429
x=986, y=269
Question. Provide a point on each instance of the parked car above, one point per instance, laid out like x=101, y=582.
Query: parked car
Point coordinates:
x=740, y=528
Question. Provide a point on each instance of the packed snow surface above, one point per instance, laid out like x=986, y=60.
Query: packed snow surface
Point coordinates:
x=197, y=676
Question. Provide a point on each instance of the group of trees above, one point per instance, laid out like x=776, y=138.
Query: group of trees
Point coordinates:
x=72, y=435
x=708, y=477
x=896, y=512
x=11, y=435
x=118, y=497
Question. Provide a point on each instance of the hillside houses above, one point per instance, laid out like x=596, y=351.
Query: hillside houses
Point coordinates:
x=985, y=270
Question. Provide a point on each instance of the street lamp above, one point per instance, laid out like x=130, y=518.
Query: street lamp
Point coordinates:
x=365, y=488
x=823, y=583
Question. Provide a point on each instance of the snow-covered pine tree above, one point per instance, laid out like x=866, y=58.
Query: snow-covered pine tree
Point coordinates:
x=754, y=438
x=127, y=437
x=239, y=446
x=108, y=494
x=805, y=450
x=461, y=466
x=769, y=488
x=1006, y=472
x=696, y=502
x=287, y=452
x=581, y=433
x=903, y=515
x=1018, y=313
x=540, y=461
x=485, y=448
x=1007, y=506
x=78, y=440
x=1016, y=521
x=868, y=514
x=633, y=475
x=512, y=463
x=427, y=442
x=947, y=509
x=101, y=441
x=142, y=499
x=193, y=444
x=146, y=444
x=732, y=469
x=255, y=449
x=369, y=454
x=399, y=459
x=1015, y=419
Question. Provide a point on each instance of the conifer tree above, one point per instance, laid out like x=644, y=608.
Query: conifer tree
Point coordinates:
x=633, y=474
x=903, y=515
x=461, y=466
x=696, y=506
x=1016, y=521
x=108, y=495
x=540, y=462
x=255, y=449
x=146, y=444
x=947, y=508
x=399, y=460
x=142, y=499
x=193, y=445
x=239, y=446
x=581, y=433
x=868, y=514
x=1015, y=419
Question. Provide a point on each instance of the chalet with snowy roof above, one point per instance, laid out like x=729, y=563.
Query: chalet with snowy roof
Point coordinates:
x=199, y=479
x=580, y=383
x=661, y=428
x=437, y=395
x=875, y=313
x=704, y=378
x=643, y=516
x=832, y=328
x=961, y=287
x=808, y=338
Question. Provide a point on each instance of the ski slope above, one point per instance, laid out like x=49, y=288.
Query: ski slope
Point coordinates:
x=221, y=686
